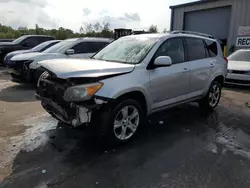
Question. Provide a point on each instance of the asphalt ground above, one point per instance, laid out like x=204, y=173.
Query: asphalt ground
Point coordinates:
x=180, y=147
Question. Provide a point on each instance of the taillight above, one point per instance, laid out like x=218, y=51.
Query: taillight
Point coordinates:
x=226, y=59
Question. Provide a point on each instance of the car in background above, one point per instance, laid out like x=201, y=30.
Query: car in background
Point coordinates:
x=131, y=78
x=22, y=43
x=6, y=40
x=70, y=48
x=239, y=68
x=39, y=48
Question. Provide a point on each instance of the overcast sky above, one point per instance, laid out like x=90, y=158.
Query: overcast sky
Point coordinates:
x=72, y=14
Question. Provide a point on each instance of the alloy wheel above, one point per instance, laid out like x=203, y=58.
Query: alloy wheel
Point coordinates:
x=214, y=95
x=126, y=122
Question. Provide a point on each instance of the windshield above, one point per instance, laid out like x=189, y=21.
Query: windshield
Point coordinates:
x=126, y=50
x=20, y=39
x=61, y=47
x=41, y=47
x=240, y=56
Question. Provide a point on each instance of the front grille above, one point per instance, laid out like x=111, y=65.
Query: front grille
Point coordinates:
x=18, y=65
x=50, y=88
x=238, y=81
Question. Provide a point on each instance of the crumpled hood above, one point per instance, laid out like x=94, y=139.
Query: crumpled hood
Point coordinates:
x=76, y=68
x=32, y=56
x=239, y=65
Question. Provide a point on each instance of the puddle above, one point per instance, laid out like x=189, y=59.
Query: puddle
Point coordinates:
x=234, y=140
x=33, y=137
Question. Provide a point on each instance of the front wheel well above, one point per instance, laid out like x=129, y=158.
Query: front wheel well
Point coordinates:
x=136, y=95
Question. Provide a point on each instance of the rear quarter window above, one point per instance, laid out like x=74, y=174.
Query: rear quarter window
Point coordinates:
x=211, y=47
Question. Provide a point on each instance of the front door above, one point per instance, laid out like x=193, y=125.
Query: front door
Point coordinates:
x=170, y=85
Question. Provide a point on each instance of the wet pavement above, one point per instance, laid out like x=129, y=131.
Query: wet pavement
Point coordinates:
x=181, y=147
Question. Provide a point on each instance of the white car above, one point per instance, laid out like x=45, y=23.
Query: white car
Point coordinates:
x=27, y=64
x=239, y=68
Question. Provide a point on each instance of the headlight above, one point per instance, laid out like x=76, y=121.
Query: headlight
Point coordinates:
x=82, y=92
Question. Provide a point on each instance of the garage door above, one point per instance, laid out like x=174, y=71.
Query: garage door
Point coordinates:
x=212, y=21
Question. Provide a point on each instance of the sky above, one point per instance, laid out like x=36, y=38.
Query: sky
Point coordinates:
x=72, y=14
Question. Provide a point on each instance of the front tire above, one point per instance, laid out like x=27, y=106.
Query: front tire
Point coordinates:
x=126, y=116
x=212, y=98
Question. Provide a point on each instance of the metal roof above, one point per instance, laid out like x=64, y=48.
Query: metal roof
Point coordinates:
x=191, y=3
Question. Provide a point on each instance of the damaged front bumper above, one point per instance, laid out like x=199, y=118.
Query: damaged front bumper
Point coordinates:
x=75, y=114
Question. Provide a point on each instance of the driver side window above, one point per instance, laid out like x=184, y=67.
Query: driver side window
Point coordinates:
x=173, y=48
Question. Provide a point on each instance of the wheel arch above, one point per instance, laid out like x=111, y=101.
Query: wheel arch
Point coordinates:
x=138, y=95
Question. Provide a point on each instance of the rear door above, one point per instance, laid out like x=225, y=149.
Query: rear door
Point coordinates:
x=201, y=64
x=170, y=85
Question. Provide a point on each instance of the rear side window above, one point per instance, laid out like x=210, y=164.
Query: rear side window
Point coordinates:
x=89, y=47
x=173, y=48
x=43, y=39
x=211, y=47
x=195, y=49
x=31, y=41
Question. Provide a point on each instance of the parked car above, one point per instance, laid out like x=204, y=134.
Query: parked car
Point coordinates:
x=70, y=48
x=239, y=68
x=6, y=40
x=39, y=48
x=131, y=78
x=22, y=43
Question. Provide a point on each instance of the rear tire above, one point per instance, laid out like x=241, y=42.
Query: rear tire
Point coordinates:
x=212, y=98
x=120, y=123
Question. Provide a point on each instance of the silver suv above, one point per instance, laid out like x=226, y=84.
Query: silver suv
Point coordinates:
x=131, y=78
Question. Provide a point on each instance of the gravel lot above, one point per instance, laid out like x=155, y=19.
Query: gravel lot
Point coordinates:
x=181, y=147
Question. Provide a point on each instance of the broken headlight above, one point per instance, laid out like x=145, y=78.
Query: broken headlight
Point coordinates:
x=81, y=92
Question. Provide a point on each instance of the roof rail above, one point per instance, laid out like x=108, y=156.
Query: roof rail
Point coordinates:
x=192, y=33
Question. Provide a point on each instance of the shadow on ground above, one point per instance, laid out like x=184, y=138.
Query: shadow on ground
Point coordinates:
x=18, y=93
x=242, y=89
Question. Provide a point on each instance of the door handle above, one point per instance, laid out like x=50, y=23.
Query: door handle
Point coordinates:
x=212, y=65
x=185, y=70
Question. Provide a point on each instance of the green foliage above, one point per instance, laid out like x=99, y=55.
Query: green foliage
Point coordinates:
x=165, y=30
x=90, y=30
x=153, y=29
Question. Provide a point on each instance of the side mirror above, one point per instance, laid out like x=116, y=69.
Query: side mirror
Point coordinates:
x=70, y=52
x=163, y=61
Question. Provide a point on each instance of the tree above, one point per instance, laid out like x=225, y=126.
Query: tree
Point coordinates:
x=153, y=29
x=81, y=30
x=91, y=30
x=165, y=30
x=106, y=26
x=37, y=29
x=98, y=27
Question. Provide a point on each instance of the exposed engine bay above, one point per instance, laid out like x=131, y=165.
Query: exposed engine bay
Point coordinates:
x=51, y=91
